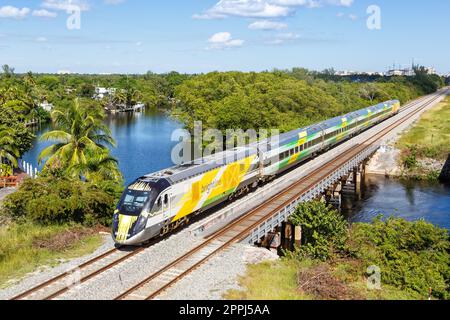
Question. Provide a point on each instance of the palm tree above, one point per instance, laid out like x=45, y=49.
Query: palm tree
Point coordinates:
x=8, y=150
x=127, y=97
x=81, y=140
x=99, y=168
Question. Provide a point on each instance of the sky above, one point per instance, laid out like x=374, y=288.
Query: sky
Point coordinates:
x=193, y=36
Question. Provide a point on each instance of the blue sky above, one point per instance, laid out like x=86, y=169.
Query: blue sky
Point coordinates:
x=133, y=36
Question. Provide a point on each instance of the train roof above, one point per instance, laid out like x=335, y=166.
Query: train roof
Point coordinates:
x=185, y=171
x=330, y=123
x=190, y=169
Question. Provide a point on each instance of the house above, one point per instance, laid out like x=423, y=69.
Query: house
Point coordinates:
x=101, y=92
x=46, y=106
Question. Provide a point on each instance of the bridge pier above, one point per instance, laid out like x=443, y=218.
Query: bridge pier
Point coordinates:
x=333, y=195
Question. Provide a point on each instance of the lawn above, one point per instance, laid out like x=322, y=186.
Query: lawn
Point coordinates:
x=278, y=280
x=25, y=248
x=430, y=137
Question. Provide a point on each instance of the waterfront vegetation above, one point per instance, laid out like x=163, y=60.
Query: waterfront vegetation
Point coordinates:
x=81, y=182
x=412, y=258
x=285, y=100
x=427, y=140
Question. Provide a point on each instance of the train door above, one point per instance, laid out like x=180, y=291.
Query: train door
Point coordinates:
x=166, y=204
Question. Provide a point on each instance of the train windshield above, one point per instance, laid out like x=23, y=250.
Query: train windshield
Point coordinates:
x=133, y=201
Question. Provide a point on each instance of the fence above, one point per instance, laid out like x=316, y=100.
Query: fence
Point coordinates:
x=28, y=169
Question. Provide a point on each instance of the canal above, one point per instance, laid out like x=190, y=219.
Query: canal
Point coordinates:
x=412, y=200
x=144, y=145
x=143, y=142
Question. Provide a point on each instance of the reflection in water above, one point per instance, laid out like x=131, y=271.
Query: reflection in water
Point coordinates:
x=411, y=200
x=143, y=142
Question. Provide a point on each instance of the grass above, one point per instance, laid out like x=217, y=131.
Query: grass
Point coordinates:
x=430, y=137
x=26, y=247
x=277, y=280
x=274, y=280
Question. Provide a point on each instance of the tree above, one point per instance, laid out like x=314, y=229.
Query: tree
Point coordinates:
x=100, y=168
x=87, y=90
x=8, y=72
x=81, y=138
x=369, y=91
x=324, y=229
x=8, y=150
x=21, y=135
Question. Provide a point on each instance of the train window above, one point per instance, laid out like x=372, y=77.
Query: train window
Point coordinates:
x=166, y=199
x=291, y=152
x=158, y=203
x=297, y=149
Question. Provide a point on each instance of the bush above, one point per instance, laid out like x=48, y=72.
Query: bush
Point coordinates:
x=5, y=170
x=410, y=158
x=324, y=229
x=59, y=201
x=413, y=256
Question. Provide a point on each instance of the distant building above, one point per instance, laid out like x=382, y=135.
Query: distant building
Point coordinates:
x=61, y=72
x=101, y=92
x=345, y=73
x=431, y=70
x=70, y=90
x=400, y=72
x=46, y=106
x=408, y=72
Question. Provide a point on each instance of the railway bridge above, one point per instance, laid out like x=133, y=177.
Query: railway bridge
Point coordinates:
x=263, y=214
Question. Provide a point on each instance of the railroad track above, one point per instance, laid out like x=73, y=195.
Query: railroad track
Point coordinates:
x=62, y=283
x=238, y=230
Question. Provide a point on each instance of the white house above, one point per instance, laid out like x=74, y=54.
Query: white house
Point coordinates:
x=101, y=92
x=46, y=106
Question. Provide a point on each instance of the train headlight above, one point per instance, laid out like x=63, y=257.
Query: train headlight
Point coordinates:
x=140, y=224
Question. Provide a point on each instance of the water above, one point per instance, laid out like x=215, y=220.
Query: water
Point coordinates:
x=411, y=200
x=143, y=142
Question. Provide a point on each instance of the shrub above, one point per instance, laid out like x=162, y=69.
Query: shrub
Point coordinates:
x=413, y=256
x=60, y=200
x=5, y=170
x=324, y=229
x=410, y=158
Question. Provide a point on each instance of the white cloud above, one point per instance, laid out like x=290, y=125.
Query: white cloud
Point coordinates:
x=224, y=40
x=350, y=16
x=41, y=39
x=113, y=2
x=267, y=25
x=65, y=5
x=13, y=12
x=44, y=13
x=281, y=38
x=264, y=8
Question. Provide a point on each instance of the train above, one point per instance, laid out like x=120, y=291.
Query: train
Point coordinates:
x=158, y=203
